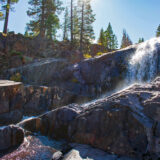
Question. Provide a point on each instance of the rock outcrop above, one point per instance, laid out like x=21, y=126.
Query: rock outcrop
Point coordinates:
x=126, y=123
x=10, y=136
x=17, y=100
x=11, y=100
x=88, y=78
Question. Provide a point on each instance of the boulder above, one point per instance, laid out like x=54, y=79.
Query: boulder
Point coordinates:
x=11, y=102
x=54, y=123
x=83, y=152
x=57, y=156
x=10, y=136
x=39, y=99
x=126, y=123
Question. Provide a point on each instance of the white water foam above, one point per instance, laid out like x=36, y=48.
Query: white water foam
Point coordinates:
x=144, y=65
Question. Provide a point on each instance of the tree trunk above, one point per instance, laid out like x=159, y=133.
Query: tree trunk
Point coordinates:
x=71, y=21
x=82, y=28
x=42, y=25
x=6, y=17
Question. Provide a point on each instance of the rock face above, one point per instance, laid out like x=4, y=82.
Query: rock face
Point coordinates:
x=126, y=123
x=54, y=123
x=17, y=100
x=10, y=136
x=88, y=78
x=11, y=99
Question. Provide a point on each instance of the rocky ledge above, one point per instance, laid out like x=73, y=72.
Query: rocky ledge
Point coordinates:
x=11, y=98
x=126, y=123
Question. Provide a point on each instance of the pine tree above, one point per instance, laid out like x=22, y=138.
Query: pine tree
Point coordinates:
x=101, y=39
x=66, y=25
x=86, y=19
x=71, y=22
x=126, y=41
x=6, y=7
x=114, y=42
x=158, y=31
x=111, y=42
x=141, y=40
x=44, y=17
x=76, y=31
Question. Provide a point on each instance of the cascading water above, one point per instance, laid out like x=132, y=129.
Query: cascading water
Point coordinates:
x=144, y=65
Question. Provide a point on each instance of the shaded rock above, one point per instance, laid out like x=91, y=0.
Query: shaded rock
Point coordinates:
x=39, y=99
x=10, y=136
x=54, y=123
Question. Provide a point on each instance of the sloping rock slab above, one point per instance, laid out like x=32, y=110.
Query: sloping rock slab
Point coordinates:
x=126, y=123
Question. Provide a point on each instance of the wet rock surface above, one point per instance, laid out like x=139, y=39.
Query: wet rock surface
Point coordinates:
x=119, y=124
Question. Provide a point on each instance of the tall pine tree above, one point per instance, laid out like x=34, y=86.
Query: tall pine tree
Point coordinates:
x=66, y=25
x=101, y=39
x=158, y=31
x=141, y=40
x=111, y=42
x=76, y=31
x=126, y=41
x=44, y=15
x=6, y=7
x=86, y=19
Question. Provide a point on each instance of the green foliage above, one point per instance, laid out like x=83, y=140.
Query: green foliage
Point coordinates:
x=87, y=56
x=158, y=31
x=16, y=53
x=101, y=40
x=126, y=41
x=141, y=40
x=85, y=20
x=44, y=14
x=108, y=39
x=16, y=77
x=99, y=53
x=74, y=80
x=66, y=25
x=4, y=5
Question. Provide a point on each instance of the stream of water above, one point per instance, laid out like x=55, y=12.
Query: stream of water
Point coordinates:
x=144, y=64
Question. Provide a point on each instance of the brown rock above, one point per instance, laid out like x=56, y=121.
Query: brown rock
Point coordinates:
x=10, y=136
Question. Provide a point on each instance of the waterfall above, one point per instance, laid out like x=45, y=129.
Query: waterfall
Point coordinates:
x=144, y=64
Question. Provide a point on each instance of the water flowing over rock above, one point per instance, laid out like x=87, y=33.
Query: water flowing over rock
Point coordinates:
x=144, y=64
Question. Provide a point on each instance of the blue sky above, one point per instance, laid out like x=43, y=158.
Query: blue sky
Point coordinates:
x=139, y=17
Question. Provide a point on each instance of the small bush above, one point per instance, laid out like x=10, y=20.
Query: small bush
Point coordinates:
x=16, y=53
x=99, y=54
x=87, y=56
x=16, y=77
